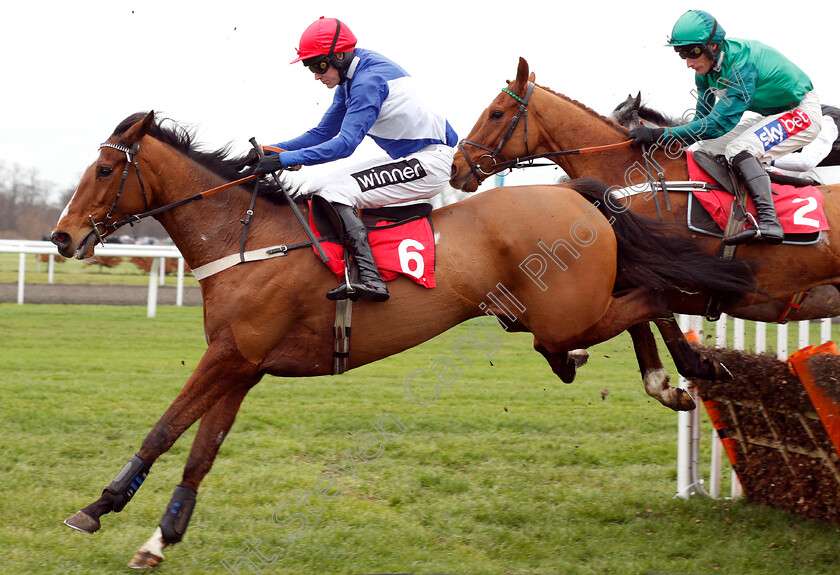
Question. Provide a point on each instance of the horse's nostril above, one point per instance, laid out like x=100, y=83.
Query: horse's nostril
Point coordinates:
x=453, y=171
x=61, y=239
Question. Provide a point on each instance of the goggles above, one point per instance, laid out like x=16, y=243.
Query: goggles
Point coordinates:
x=691, y=51
x=318, y=64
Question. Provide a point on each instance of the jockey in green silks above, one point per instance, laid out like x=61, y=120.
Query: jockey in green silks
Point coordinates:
x=735, y=76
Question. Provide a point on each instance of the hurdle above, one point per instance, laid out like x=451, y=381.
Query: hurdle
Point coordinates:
x=689, y=433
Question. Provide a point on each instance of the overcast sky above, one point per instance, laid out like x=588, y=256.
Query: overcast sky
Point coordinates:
x=74, y=69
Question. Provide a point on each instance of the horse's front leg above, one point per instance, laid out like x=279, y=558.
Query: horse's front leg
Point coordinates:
x=221, y=368
x=563, y=364
x=214, y=427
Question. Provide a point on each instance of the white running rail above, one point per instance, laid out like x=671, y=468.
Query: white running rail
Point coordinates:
x=156, y=275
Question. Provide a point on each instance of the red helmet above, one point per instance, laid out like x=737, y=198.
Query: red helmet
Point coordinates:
x=324, y=37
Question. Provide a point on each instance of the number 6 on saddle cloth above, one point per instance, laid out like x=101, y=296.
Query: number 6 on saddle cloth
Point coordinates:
x=401, y=237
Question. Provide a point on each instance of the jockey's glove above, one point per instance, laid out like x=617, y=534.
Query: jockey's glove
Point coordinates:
x=644, y=135
x=268, y=164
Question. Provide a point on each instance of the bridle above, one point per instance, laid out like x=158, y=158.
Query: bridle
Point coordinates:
x=130, y=159
x=526, y=161
x=476, y=169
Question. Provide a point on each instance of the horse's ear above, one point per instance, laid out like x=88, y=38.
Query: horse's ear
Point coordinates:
x=139, y=129
x=637, y=101
x=522, y=71
x=532, y=77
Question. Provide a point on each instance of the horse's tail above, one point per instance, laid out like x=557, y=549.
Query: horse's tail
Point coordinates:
x=657, y=255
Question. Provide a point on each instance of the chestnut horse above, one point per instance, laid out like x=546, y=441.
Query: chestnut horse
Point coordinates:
x=821, y=301
x=271, y=316
x=546, y=122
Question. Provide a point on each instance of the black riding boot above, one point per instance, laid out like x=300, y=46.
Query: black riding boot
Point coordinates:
x=757, y=182
x=370, y=285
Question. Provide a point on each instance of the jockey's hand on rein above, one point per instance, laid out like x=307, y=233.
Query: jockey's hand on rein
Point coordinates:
x=644, y=135
x=268, y=150
x=267, y=164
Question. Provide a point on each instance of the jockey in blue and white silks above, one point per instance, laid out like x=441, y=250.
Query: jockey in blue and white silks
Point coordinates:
x=377, y=99
x=373, y=97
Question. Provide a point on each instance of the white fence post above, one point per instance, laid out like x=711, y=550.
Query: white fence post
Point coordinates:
x=151, y=302
x=179, y=289
x=781, y=341
x=684, y=443
x=804, y=334
x=21, y=277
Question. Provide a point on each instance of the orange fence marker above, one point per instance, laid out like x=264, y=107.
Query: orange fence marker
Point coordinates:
x=827, y=407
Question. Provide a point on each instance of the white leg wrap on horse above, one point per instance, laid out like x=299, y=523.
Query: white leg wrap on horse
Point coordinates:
x=656, y=386
x=580, y=356
x=155, y=544
x=656, y=381
x=150, y=553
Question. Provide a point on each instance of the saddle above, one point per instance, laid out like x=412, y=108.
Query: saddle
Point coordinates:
x=401, y=237
x=719, y=169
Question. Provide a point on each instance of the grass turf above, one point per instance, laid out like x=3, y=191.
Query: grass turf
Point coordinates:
x=508, y=471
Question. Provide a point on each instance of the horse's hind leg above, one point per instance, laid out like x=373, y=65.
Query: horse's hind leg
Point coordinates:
x=632, y=312
x=689, y=360
x=221, y=369
x=654, y=376
x=214, y=427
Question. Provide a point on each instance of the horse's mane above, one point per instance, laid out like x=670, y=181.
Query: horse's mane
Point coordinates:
x=221, y=162
x=623, y=114
x=617, y=127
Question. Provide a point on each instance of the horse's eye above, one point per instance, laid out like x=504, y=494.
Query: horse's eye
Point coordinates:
x=103, y=171
x=496, y=114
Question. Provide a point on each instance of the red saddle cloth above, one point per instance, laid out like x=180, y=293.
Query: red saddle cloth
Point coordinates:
x=800, y=210
x=407, y=249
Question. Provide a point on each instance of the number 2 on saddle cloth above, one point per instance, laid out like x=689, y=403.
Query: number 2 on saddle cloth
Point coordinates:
x=401, y=246
x=800, y=210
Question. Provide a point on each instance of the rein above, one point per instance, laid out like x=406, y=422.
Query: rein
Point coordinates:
x=131, y=158
x=528, y=160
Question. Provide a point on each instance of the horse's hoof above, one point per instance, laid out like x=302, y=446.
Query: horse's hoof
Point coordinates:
x=580, y=357
x=682, y=400
x=145, y=560
x=83, y=522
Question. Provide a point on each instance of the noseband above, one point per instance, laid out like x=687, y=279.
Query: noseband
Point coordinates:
x=130, y=159
x=476, y=169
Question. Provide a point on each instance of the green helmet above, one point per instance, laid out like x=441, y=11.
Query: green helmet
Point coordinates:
x=696, y=27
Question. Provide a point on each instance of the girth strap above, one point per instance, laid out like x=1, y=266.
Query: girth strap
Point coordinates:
x=792, y=306
x=341, y=351
x=737, y=216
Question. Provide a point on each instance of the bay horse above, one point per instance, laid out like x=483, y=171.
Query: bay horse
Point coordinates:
x=547, y=122
x=271, y=317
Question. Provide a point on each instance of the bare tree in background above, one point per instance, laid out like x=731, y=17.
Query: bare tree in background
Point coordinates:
x=24, y=203
x=30, y=207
